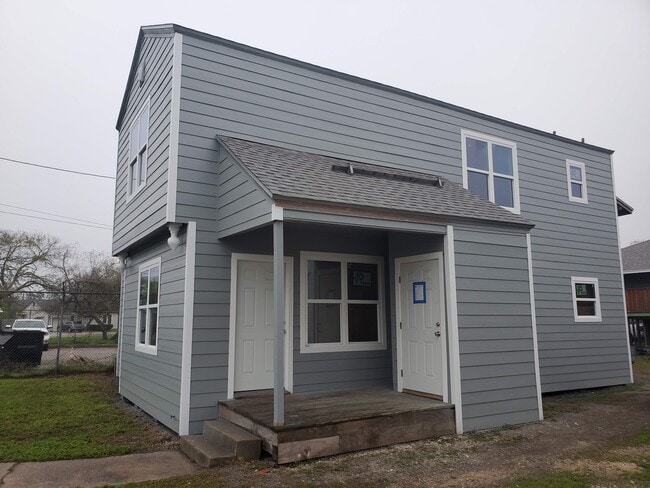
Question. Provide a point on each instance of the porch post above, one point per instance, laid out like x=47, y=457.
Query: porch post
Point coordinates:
x=278, y=287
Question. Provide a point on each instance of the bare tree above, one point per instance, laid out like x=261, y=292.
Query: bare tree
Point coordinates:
x=94, y=287
x=28, y=262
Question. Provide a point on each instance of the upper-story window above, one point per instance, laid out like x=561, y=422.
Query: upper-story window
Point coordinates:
x=490, y=169
x=138, y=144
x=586, y=299
x=576, y=181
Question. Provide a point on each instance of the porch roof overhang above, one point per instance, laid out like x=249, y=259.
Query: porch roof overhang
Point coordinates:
x=306, y=187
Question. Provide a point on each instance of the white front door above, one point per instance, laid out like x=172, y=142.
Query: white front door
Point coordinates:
x=421, y=324
x=254, y=333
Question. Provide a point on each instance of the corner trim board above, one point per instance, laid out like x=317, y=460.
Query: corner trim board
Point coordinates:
x=188, y=324
x=533, y=316
x=174, y=128
x=452, y=323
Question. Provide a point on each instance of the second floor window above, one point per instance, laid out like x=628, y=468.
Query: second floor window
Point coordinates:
x=138, y=144
x=576, y=181
x=490, y=169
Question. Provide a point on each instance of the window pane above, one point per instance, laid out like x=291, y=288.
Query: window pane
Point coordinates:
x=144, y=282
x=153, y=326
x=134, y=144
x=502, y=159
x=323, y=323
x=585, y=290
x=477, y=154
x=362, y=323
x=362, y=281
x=503, y=194
x=143, y=326
x=576, y=173
x=576, y=190
x=154, y=280
x=586, y=308
x=478, y=184
x=143, y=167
x=324, y=279
x=144, y=128
x=133, y=175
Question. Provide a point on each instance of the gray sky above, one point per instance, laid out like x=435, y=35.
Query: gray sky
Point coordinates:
x=581, y=68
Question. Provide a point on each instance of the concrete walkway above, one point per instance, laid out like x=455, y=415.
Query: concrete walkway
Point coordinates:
x=96, y=472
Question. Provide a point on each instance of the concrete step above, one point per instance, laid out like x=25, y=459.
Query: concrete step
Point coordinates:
x=233, y=438
x=204, y=452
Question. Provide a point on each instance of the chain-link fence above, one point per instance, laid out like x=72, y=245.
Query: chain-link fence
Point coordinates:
x=52, y=334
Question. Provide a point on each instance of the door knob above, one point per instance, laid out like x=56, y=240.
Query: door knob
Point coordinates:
x=437, y=324
x=437, y=334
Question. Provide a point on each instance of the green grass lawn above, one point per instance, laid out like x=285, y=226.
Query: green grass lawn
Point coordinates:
x=84, y=340
x=69, y=417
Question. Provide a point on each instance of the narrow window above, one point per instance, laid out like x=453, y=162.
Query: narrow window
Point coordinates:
x=148, y=298
x=342, y=303
x=138, y=144
x=586, y=299
x=490, y=169
x=576, y=181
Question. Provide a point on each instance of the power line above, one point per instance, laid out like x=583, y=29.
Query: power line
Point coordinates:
x=55, y=220
x=57, y=169
x=55, y=215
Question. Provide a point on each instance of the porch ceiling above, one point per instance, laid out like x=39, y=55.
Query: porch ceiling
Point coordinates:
x=319, y=188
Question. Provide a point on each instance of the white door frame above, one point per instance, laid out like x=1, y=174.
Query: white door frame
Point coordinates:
x=288, y=337
x=398, y=315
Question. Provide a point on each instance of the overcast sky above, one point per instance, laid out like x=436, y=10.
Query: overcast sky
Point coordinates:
x=581, y=68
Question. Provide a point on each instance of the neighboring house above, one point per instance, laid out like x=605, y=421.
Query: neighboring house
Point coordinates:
x=426, y=247
x=636, y=273
x=47, y=310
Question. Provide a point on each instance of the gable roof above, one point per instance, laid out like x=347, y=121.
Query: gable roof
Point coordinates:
x=169, y=30
x=623, y=208
x=297, y=176
x=636, y=258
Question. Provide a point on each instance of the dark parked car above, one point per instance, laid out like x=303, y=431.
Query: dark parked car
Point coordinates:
x=72, y=327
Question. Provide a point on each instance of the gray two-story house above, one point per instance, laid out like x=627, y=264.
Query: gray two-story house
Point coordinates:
x=290, y=228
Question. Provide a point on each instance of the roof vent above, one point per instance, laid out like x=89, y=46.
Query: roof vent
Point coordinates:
x=389, y=175
x=350, y=169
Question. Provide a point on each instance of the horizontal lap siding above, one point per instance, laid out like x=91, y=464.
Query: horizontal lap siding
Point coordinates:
x=574, y=239
x=146, y=211
x=494, y=327
x=153, y=382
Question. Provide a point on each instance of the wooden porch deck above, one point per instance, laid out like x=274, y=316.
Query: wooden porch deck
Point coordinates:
x=328, y=423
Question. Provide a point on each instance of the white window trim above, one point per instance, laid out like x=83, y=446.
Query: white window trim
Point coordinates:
x=589, y=281
x=147, y=348
x=130, y=192
x=464, y=134
x=344, y=345
x=570, y=163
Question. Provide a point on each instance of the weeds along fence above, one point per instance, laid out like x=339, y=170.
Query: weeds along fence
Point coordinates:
x=74, y=341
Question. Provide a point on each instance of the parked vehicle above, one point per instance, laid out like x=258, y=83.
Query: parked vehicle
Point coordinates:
x=27, y=325
x=73, y=327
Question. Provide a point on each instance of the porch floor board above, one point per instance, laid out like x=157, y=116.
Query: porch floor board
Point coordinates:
x=326, y=423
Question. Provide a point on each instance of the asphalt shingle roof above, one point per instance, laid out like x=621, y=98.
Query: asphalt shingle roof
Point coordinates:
x=299, y=175
x=636, y=257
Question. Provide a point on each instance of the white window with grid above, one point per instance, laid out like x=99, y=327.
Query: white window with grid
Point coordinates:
x=148, y=301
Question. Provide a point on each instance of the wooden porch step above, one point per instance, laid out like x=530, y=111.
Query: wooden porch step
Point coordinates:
x=220, y=442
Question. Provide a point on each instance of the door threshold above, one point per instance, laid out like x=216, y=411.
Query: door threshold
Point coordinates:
x=422, y=394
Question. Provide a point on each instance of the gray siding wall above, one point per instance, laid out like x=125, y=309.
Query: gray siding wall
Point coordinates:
x=235, y=92
x=497, y=367
x=146, y=211
x=153, y=382
x=241, y=204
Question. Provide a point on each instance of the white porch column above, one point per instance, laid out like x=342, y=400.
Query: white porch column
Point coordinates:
x=278, y=287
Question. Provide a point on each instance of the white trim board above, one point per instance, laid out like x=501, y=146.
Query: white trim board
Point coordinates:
x=188, y=324
x=174, y=128
x=288, y=343
x=452, y=325
x=533, y=316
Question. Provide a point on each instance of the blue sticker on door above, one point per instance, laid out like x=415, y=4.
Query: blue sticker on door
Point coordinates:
x=419, y=292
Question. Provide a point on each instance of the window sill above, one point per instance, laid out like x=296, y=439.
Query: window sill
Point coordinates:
x=133, y=195
x=152, y=350
x=587, y=318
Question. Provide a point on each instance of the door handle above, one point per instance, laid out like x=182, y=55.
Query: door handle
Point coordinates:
x=437, y=334
x=437, y=324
